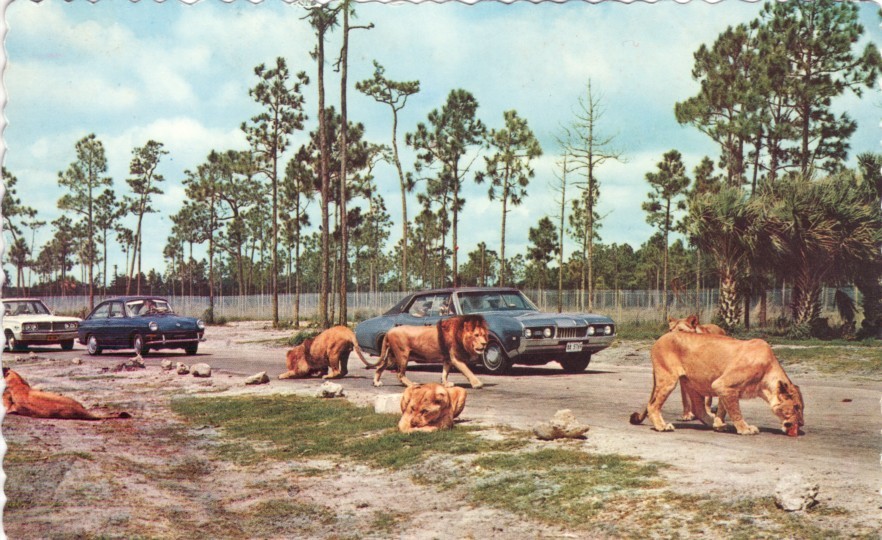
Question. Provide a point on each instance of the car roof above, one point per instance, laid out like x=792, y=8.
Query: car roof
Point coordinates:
x=21, y=299
x=467, y=289
x=134, y=298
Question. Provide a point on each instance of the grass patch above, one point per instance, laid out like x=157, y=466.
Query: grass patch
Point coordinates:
x=864, y=361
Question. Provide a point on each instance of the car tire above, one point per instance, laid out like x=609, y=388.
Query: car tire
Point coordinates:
x=92, y=346
x=67, y=345
x=12, y=344
x=495, y=360
x=190, y=350
x=138, y=345
x=575, y=364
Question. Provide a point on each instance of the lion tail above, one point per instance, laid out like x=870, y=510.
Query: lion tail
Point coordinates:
x=361, y=356
x=638, y=418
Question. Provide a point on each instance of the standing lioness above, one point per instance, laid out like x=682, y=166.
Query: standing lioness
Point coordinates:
x=452, y=341
x=710, y=365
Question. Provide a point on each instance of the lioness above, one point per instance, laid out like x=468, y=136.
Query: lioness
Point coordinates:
x=329, y=350
x=721, y=366
x=20, y=398
x=690, y=324
x=430, y=407
x=455, y=341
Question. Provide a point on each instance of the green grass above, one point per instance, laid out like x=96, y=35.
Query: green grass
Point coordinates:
x=559, y=484
x=851, y=360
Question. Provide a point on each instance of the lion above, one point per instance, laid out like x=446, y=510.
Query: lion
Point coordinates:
x=329, y=350
x=732, y=369
x=690, y=324
x=430, y=407
x=453, y=341
x=20, y=398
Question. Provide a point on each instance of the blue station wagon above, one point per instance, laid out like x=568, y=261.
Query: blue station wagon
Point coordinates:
x=519, y=332
x=141, y=323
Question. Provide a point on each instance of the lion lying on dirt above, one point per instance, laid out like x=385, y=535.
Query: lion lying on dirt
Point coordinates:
x=452, y=341
x=430, y=407
x=329, y=350
x=20, y=398
x=710, y=365
x=690, y=324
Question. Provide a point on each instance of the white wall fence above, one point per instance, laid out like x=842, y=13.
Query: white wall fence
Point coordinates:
x=624, y=306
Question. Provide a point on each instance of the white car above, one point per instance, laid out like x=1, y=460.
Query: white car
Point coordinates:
x=27, y=321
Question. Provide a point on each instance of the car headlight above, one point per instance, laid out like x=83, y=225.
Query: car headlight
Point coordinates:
x=607, y=330
x=153, y=326
x=70, y=326
x=200, y=324
x=591, y=331
x=29, y=327
x=528, y=333
x=547, y=332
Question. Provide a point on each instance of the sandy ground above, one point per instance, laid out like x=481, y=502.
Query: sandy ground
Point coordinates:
x=154, y=476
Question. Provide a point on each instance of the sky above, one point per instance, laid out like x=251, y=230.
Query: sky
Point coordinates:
x=180, y=74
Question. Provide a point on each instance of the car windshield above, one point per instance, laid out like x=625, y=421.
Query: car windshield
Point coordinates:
x=29, y=307
x=143, y=308
x=477, y=302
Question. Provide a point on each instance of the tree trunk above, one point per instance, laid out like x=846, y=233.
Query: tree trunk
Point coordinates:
x=730, y=308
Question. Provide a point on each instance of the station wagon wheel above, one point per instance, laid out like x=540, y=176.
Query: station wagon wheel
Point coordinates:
x=92, y=345
x=138, y=345
x=11, y=343
x=67, y=345
x=495, y=360
x=575, y=364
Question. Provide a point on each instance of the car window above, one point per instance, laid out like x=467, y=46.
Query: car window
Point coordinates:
x=102, y=312
x=142, y=308
x=432, y=305
x=116, y=310
x=493, y=301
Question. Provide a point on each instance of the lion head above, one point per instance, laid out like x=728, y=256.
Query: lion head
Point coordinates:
x=475, y=334
x=789, y=407
x=426, y=404
x=689, y=324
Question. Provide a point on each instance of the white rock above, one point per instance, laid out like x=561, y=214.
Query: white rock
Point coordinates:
x=182, y=368
x=388, y=404
x=258, y=378
x=563, y=425
x=793, y=493
x=166, y=364
x=201, y=370
x=77, y=361
x=329, y=390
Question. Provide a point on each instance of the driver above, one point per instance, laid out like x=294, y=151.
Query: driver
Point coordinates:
x=149, y=307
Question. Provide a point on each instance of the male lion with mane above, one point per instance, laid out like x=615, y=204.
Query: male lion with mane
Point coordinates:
x=452, y=341
x=691, y=324
x=20, y=398
x=710, y=365
x=329, y=350
x=430, y=407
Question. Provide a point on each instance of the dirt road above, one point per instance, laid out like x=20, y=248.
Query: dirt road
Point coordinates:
x=839, y=449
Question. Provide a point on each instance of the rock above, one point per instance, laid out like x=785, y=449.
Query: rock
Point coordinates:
x=137, y=361
x=258, y=378
x=182, y=368
x=794, y=494
x=77, y=361
x=330, y=390
x=201, y=370
x=563, y=425
x=388, y=404
x=166, y=365
x=131, y=364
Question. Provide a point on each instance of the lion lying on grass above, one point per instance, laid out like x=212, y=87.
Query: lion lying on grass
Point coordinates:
x=329, y=350
x=690, y=324
x=430, y=407
x=20, y=398
x=454, y=341
x=710, y=365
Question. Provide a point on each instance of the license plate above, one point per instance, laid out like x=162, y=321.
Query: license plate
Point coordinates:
x=51, y=337
x=574, y=347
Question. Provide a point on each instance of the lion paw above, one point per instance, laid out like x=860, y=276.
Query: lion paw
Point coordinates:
x=749, y=430
x=687, y=417
x=668, y=427
x=478, y=385
x=448, y=384
x=378, y=384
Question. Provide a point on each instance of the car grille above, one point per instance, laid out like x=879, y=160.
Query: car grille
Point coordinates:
x=50, y=327
x=572, y=333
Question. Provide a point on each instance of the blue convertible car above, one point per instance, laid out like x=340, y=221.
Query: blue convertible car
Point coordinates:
x=519, y=332
x=141, y=323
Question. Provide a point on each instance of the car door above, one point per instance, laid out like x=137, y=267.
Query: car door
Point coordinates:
x=96, y=324
x=117, y=330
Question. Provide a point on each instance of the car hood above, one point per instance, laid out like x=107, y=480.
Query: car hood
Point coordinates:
x=38, y=318
x=170, y=322
x=561, y=320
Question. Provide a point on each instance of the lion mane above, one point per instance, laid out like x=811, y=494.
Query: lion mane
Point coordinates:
x=19, y=398
x=732, y=369
x=328, y=351
x=454, y=341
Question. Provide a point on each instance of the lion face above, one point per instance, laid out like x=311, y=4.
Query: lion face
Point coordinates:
x=475, y=337
x=689, y=324
x=428, y=405
x=789, y=408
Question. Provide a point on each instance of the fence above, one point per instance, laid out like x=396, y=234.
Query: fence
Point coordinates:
x=622, y=306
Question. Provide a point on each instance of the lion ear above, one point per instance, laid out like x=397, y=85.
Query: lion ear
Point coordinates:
x=692, y=320
x=441, y=396
x=670, y=319
x=783, y=388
